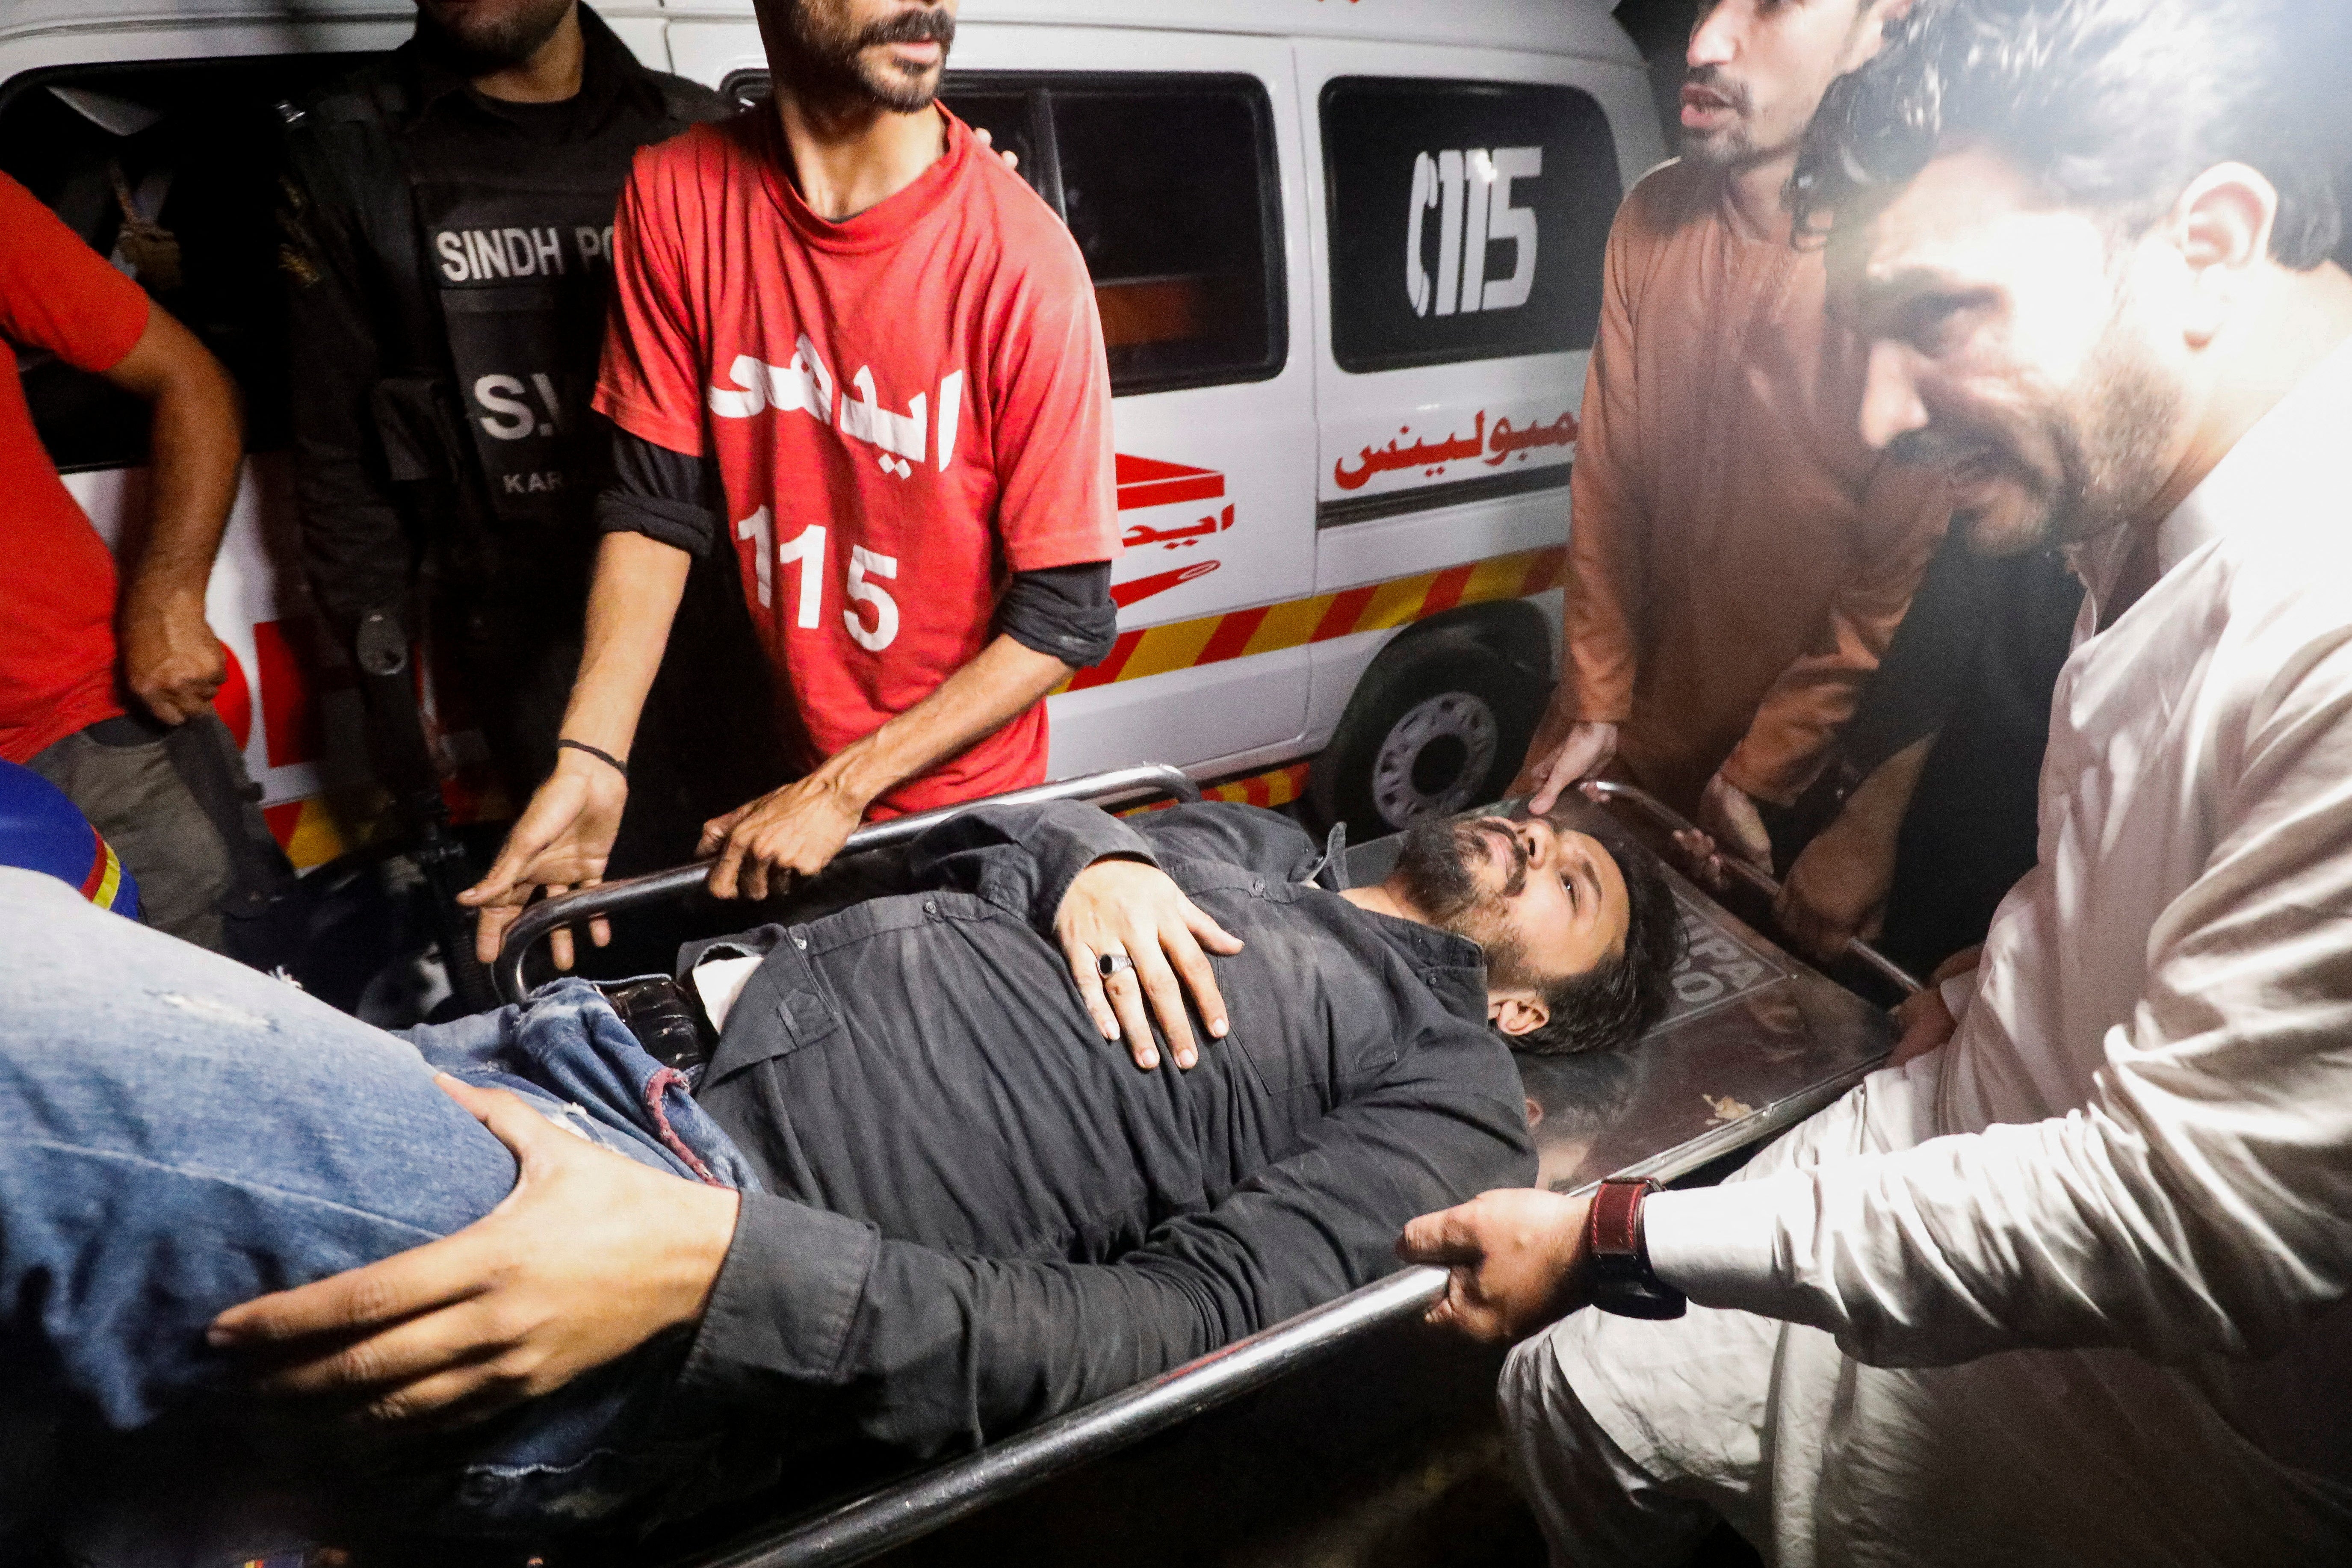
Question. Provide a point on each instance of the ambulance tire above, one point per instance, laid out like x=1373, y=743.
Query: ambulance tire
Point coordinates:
x=1439, y=723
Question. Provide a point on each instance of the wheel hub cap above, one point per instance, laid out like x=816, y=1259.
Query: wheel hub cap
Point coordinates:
x=1434, y=758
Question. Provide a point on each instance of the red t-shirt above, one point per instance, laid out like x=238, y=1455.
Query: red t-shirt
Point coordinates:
x=56, y=577
x=907, y=407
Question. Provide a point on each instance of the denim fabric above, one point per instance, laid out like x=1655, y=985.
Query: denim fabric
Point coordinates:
x=179, y=1133
x=569, y=1051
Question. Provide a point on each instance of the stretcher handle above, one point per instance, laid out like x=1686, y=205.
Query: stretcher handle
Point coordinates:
x=864, y=1529
x=1665, y=816
x=661, y=886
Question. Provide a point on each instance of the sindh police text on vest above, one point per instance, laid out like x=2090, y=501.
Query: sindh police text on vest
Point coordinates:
x=496, y=255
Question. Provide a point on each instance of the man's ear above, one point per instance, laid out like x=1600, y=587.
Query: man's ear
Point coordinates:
x=2221, y=224
x=1517, y=1012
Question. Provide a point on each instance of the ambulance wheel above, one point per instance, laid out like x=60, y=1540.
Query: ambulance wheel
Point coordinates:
x=1437, y=725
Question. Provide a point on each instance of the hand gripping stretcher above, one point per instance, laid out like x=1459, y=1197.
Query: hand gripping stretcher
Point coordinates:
x=1753, y=1041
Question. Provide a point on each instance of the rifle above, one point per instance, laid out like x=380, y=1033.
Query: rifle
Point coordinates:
x=379, y=650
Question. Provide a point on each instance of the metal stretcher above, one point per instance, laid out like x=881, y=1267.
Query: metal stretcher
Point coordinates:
x=1753, y=1041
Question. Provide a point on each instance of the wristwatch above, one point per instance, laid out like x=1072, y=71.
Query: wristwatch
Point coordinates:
x=1623, y=1281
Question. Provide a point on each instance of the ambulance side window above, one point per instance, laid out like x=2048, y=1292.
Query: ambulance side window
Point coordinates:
x=1468, y=219
x=1170, y=191
x=1167, y=183
x=194, y=147
x=1009, y=119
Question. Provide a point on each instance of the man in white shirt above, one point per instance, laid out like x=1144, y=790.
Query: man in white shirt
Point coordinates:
x=2066, y=1289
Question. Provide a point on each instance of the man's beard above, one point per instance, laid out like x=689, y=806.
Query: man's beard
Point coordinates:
x=2108, y=437
x=1735, y=143
x=1436, y=867
x=477, y=45
x=832, y=62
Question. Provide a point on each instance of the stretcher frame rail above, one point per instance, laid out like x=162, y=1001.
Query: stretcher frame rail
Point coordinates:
x=880, y=1522
x=1740, y=870
x=866, y=1527
x=1141, y=781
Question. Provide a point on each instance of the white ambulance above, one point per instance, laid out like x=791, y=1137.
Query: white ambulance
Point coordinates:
x=1347, y=255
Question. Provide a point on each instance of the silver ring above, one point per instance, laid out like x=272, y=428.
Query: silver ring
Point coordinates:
x=1111, y=964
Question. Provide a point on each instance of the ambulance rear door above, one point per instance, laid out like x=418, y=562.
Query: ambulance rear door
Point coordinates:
x=1461, y=201
x=1176, y=162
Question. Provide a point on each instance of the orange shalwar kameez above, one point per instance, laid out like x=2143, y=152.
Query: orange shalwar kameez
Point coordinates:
x=1737, y=557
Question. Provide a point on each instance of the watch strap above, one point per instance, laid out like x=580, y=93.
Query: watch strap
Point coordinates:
x=1622, y=1280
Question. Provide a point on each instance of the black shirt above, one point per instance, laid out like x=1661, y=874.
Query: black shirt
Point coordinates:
x=980, y=1213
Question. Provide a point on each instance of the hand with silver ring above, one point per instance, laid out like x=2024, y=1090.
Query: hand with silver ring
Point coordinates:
x=1134, y=946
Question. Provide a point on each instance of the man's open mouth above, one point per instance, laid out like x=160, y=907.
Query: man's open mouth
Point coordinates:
x=1704, y=101
x=1972, y=465
x=1512, y=848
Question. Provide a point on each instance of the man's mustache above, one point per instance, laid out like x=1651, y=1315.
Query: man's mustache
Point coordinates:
x=1517, y=881
x=1929, y=446
x=924, y=26
x=1728, y=89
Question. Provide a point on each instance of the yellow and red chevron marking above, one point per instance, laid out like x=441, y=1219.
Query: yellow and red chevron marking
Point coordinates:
x=1277, y=786
x=320, y=828
x=1376, y=607
x=317, y=829
x=309, y=830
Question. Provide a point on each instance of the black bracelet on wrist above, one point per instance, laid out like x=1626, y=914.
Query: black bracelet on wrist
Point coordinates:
x=597, y=752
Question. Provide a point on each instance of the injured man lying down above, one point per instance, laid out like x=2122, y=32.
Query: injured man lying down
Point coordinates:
x=912, y=1198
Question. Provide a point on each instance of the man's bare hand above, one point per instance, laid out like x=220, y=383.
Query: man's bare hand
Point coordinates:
x=1125, y=906
x=1926, y=1024
x=1564, y=754
x=1516, y=1256
x=171, y=660
x=1837, y=889
x=1702, y=859
x=589, y=1256
x=797, y=830
x=561, y=842
x=1926, y=1021
x=1011, y=159
x=1726, y=816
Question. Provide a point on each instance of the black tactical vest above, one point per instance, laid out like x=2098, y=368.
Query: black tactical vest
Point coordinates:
x=518, y=255
x=487, y=233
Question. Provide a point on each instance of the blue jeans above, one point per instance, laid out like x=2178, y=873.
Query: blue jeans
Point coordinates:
x=179, y=1133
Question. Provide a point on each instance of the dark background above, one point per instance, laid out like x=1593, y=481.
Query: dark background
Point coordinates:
x=1661, y=28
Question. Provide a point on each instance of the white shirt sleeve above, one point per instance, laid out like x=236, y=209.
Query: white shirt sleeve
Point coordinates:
x=1958, y=991
x=2200, y=1201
